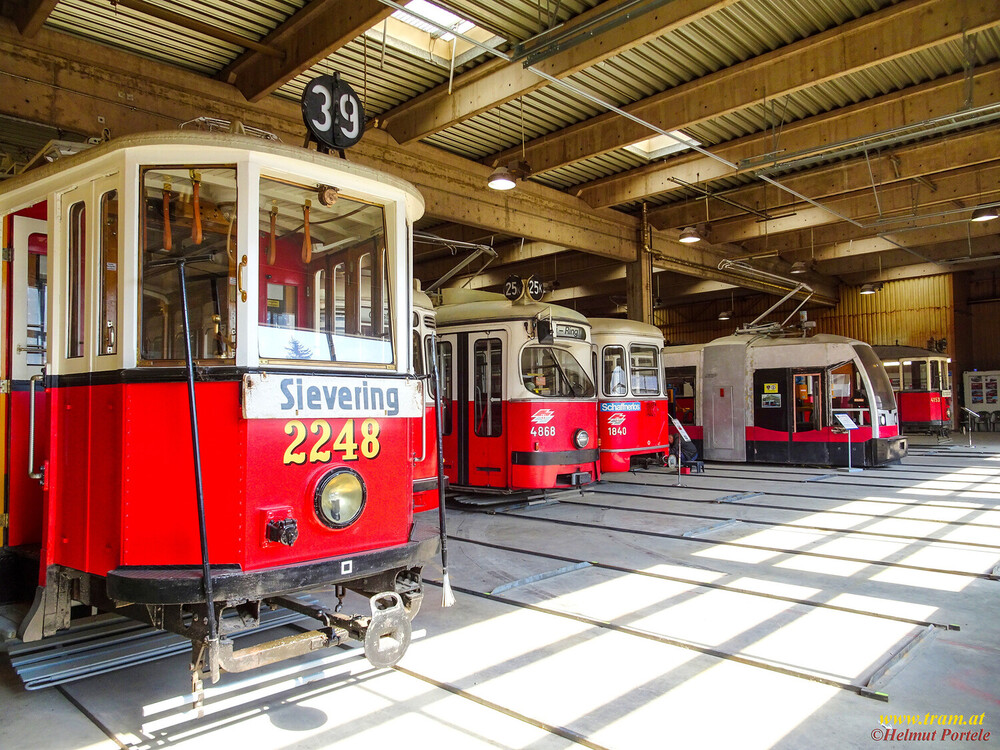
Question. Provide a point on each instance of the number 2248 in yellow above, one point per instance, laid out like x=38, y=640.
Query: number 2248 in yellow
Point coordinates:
x=346, y=442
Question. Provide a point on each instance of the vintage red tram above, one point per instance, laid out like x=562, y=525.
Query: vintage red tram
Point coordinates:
x=632, y=407
x=187, y=290
x=770, y=397
x=520, y=406
x=921, y=380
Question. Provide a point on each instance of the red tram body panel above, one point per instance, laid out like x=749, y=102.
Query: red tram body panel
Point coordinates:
x=632, y=408
x=301, y=370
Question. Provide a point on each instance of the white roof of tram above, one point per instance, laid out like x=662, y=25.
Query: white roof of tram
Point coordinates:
x=624, y=327
x=752, y=341
x=168, y=147
x=504, y=309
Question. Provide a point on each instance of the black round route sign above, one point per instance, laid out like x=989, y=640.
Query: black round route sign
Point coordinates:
x=513, y=288
x=333, y=112
x=534, y=288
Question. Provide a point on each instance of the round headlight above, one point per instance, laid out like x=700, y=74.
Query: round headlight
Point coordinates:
x=340, y=498
x=581, y=438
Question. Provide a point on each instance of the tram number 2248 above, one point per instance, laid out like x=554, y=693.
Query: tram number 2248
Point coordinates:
x=349, y=443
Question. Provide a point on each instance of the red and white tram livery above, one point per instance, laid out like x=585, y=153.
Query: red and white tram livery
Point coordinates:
x=773, y=398
x=283, y=275
x=632, y=407
x=521, y=409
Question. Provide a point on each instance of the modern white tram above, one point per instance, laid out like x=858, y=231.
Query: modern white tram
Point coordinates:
x=772, y=398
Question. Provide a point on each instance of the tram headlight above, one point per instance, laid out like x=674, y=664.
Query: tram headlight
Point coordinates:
x=340, y=498
x=581, y=438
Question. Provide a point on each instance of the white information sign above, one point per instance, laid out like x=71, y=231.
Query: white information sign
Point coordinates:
x=276, y=395
x=845, y=421
x=680, y=428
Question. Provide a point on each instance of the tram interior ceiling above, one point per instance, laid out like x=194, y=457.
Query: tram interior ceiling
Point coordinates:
x=818, y=144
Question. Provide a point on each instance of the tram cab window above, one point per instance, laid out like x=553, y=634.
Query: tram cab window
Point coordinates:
x=935, y=381
x=644, y=362
x=848, y=394
x=324, y=278
x=679, y=384
x=188, y=213
x=614, y=380
x=554, y=373
x=915, y=375
x=884, y=397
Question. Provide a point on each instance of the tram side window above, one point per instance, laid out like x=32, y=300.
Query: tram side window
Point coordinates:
x=188, y=213
x=76, y=279
x=488, y=384
x=679, y=385
x=109, y=273
x=915, y=375
x=645, y=366
x=324, y=282
x=37, y=295
x=614, y=381
x=445, y=366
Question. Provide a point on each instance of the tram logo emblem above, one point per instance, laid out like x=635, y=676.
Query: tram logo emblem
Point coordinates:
x=542, y=416
x=616, y=419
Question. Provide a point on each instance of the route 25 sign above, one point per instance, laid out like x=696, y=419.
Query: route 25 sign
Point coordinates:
x=332, y=112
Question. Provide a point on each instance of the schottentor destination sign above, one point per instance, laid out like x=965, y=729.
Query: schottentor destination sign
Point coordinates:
x=280, y=396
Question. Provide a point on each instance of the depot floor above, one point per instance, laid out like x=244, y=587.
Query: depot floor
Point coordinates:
x=748, y=607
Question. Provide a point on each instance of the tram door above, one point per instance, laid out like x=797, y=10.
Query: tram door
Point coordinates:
x=24, y=338
x=788, y=415
x=488, y=455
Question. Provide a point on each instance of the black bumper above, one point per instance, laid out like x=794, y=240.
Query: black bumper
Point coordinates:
x=183, y=584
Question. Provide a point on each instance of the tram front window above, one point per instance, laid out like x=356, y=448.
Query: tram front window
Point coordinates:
x=884, y=397
x=323, y=274
x=188, y=213
x=554, y=373
x=645, y=366
x=848, y=394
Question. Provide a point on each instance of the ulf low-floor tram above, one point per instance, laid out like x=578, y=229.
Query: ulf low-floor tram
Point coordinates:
x=775, y=398
x=212, y=403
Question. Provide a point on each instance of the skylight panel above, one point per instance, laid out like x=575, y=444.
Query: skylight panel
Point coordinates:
x=443, y=17
x=662, y=145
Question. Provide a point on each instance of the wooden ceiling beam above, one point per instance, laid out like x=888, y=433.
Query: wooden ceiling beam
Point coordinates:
x=315, y=32
x=887, y=112
x=867, y=206
x=913, y=164
x=873, y=39
x=497, y=81
x=32, y=14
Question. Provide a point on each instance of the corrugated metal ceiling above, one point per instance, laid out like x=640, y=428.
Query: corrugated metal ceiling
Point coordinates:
x=390, y=76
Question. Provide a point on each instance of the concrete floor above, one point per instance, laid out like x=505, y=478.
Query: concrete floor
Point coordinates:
x=648, y=660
